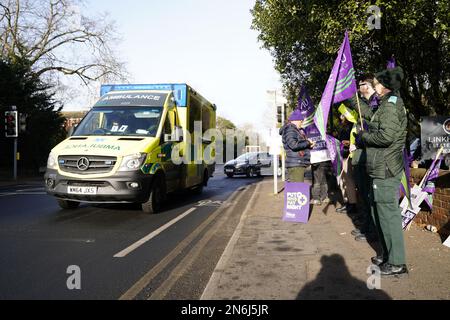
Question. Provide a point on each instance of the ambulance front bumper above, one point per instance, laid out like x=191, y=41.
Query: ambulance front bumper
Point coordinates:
x=123, y=187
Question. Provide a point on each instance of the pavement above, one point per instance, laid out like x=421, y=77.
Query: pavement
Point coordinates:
x=269, y=259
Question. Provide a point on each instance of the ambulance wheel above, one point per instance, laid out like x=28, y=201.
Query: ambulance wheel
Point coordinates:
x=67, y=204
x=155, y=198
x=205, y=178
x=197, y=190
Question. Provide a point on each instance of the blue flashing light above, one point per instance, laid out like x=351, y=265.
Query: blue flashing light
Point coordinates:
x=179, y=90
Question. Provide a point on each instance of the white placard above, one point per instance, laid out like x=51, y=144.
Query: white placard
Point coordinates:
x=320, y=156
x=417, y=197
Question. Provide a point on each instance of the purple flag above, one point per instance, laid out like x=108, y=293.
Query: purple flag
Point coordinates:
x=404, y=182
x=306, y=106
x=296, y=202
x=434, y=170
x=341, y=85
x=432, y=174
x=391, y=64
x=334, y=149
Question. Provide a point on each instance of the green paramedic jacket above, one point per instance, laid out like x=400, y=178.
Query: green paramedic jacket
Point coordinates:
x=386, y=137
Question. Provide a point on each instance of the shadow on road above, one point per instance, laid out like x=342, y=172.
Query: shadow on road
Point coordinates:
x=334, y=282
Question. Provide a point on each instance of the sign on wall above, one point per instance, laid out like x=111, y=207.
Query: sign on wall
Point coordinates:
x=435, y=132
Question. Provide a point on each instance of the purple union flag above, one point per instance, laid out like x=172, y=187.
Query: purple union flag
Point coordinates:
x=296, y=202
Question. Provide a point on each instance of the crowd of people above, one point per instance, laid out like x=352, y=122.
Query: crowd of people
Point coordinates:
x=372, y=131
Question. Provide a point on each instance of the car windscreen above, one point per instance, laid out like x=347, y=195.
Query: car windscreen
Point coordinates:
x=246, y=156
x=120, y=121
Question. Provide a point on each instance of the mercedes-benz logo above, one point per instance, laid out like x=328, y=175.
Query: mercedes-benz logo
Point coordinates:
x=83, y=164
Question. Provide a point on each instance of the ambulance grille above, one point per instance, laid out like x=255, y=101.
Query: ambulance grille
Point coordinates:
x=93, y=165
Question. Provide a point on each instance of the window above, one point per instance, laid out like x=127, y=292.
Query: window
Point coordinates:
x=131, y=121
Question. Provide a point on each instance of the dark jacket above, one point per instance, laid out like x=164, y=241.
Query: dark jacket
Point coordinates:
x=386, y=137
x=296, y=145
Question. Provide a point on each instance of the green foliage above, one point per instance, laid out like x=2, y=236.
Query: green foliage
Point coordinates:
x=223, y=124
x=304, y=36
x=20, y=87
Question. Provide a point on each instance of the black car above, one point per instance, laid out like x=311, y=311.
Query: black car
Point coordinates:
x=248, y=164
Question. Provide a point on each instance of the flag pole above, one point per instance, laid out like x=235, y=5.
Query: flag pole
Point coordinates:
x=359, y=111
x=441, y=149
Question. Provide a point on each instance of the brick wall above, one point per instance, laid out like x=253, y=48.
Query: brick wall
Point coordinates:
x=440, y=215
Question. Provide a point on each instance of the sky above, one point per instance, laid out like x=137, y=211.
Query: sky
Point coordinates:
x=207, y=44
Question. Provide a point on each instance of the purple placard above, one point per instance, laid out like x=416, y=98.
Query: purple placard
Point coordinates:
x=296, y=202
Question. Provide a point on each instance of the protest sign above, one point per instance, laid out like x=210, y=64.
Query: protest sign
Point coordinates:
x=408, y=212
x=296, y=202
x=320, y=152
x=435, y=133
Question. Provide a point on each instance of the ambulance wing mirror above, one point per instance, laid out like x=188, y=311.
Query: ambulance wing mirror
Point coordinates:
x=176, y=136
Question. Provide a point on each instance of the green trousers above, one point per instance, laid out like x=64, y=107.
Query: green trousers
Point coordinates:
x=387, y=217
x=296, y=174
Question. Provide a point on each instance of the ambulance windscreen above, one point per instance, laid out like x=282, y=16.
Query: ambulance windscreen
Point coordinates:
x=120, y=121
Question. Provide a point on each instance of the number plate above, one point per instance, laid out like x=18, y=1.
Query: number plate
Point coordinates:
x=229, y=170
x=82, y=190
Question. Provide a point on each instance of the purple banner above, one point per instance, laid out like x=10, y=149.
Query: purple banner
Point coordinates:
x=334, y=149
x=314, y=135
x=296, y=202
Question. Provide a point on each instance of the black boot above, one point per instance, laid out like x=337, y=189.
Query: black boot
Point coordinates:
x=390, y=270
x=378, y=260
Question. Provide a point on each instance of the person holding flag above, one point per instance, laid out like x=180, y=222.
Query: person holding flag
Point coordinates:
x=365, y=230
x=295, y=142
x=384, y=142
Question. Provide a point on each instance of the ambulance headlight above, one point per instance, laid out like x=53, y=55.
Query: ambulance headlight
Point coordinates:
x=52, y=163
x=132, y=162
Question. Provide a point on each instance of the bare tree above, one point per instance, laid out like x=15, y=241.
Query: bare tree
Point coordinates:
x=57, y=39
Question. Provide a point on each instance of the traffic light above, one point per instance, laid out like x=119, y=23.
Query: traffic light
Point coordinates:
x=11, y=124
x=23, y=122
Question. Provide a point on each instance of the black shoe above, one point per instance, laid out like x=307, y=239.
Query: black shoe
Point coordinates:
x=342, y=209
x=356, y=232
x=378, y=260
x=390, y=270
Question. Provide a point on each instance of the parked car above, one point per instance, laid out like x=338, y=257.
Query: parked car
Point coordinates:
x=249, y=164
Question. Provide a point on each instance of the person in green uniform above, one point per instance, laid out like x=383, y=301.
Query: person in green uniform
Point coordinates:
x=384, y=142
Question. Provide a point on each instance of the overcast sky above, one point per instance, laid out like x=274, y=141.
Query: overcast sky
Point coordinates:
x=205, y=43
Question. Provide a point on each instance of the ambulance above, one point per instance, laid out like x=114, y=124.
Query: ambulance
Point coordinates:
x=121, y=152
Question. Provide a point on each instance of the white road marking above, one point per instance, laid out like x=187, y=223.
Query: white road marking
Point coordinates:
x=21, y=194
x=31, y=189
x=150, y=236
x=7, y=194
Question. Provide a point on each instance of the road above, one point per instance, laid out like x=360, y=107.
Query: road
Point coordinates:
x=121, y=252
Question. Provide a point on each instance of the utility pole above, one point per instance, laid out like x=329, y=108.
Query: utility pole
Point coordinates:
x=275, y=155
x=283, y=156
